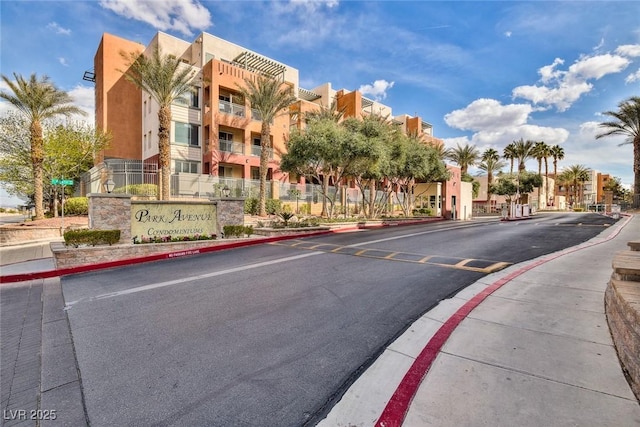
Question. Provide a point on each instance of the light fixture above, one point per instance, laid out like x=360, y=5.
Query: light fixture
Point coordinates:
x=225, y=191
x=109, y=185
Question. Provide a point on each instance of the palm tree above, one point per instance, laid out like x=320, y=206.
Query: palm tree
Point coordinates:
x=490, y=163
x=540, y=152
x=576, y=175
x=509, y=153
x=464, y=156
x=38, y=99
x=269, y=97
x=166, y=79
x=557, y=153
x=627, y=123
x=523, y=151
x=328, y=113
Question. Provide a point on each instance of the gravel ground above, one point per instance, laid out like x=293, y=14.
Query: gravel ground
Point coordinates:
x=76, y=221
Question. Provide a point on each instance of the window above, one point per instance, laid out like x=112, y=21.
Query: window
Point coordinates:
x=191, y=98
x=185, y=166
x=225, y=172
x=186, y=133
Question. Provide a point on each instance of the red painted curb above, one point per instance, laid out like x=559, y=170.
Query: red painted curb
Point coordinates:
x=396, y=409
x=232, y=245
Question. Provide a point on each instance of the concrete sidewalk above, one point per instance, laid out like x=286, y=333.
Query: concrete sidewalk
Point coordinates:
x=536, y=352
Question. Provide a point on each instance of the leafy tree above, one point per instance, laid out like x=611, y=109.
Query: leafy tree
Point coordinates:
x=626, y=123
x=68, y=150
x=16, y=172
x=269, y=97
x=490, y=163
x=371, y=173
x=513, y=185
x=37, y=99
x=413, y=161
x=619, y=192
x=166, y=79
x=464, y=156
x=326, y=151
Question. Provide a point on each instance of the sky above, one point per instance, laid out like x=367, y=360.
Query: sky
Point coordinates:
x=485, y=73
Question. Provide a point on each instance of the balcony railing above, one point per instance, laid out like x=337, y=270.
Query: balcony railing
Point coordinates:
x=255, y=115
x=231, y=147
x=231, y=108
x=256, y=150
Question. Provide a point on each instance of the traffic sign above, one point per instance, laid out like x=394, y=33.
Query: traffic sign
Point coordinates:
x=62, y=182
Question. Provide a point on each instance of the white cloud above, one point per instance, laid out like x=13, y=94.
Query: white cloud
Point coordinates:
x=560, y=89
x=632, y=50
x=508, y=33
x=378, y=90
x=84, y=98
x=63, y=61
x=497, y=124
x=176, y=15
x=599, y=44
x=635, y=77
x=58, y=29
x=312, y=5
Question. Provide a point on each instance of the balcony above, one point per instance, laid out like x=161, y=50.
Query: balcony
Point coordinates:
x=255, y=115
x=227, y=107
x=231, y=147
x=256, y=150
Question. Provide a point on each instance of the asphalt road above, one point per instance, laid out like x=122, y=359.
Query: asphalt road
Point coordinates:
x=272, y=335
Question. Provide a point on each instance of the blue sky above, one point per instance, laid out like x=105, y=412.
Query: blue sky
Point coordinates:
x=481, y=72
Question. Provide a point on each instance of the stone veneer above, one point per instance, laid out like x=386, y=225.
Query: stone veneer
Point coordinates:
x=622, y=305
x=230, y=211
x=111, y=212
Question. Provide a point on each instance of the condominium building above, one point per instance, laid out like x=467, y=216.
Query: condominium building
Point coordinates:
x=214, y=131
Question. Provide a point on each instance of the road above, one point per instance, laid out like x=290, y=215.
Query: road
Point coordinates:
x=272, y=335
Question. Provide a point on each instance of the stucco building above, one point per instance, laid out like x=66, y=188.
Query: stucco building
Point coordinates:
x=214, y=132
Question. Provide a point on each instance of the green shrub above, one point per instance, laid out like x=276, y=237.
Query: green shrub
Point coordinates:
x=422, y=211
x=91, y=237
x=138, y=190
x=76, y=206
x=251, y=206
x=237, y=230
x=273, y=206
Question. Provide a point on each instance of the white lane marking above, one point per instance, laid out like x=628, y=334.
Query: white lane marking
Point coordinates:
x=412, y=235
x=193, y=278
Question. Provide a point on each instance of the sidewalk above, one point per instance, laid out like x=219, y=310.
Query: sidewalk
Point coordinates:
x=536, y=352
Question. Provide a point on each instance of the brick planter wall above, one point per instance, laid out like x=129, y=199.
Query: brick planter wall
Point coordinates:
x=622, y=306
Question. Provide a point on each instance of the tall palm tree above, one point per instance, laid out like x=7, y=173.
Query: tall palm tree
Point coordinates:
x=557, y=152
x=626, y=123
x=269, y=97
x=38, y=99
x=541, y=152
x=509, y=153
x=523, y=151
x=166, y=79
x=576, y=175
x=464, y=156
x=490, y=163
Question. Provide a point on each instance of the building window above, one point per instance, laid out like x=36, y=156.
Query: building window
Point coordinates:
x=185, y=166
x=191, y=98
x=225, y=172
x=186, y=133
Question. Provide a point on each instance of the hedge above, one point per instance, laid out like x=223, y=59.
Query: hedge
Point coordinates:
x=76, y=238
